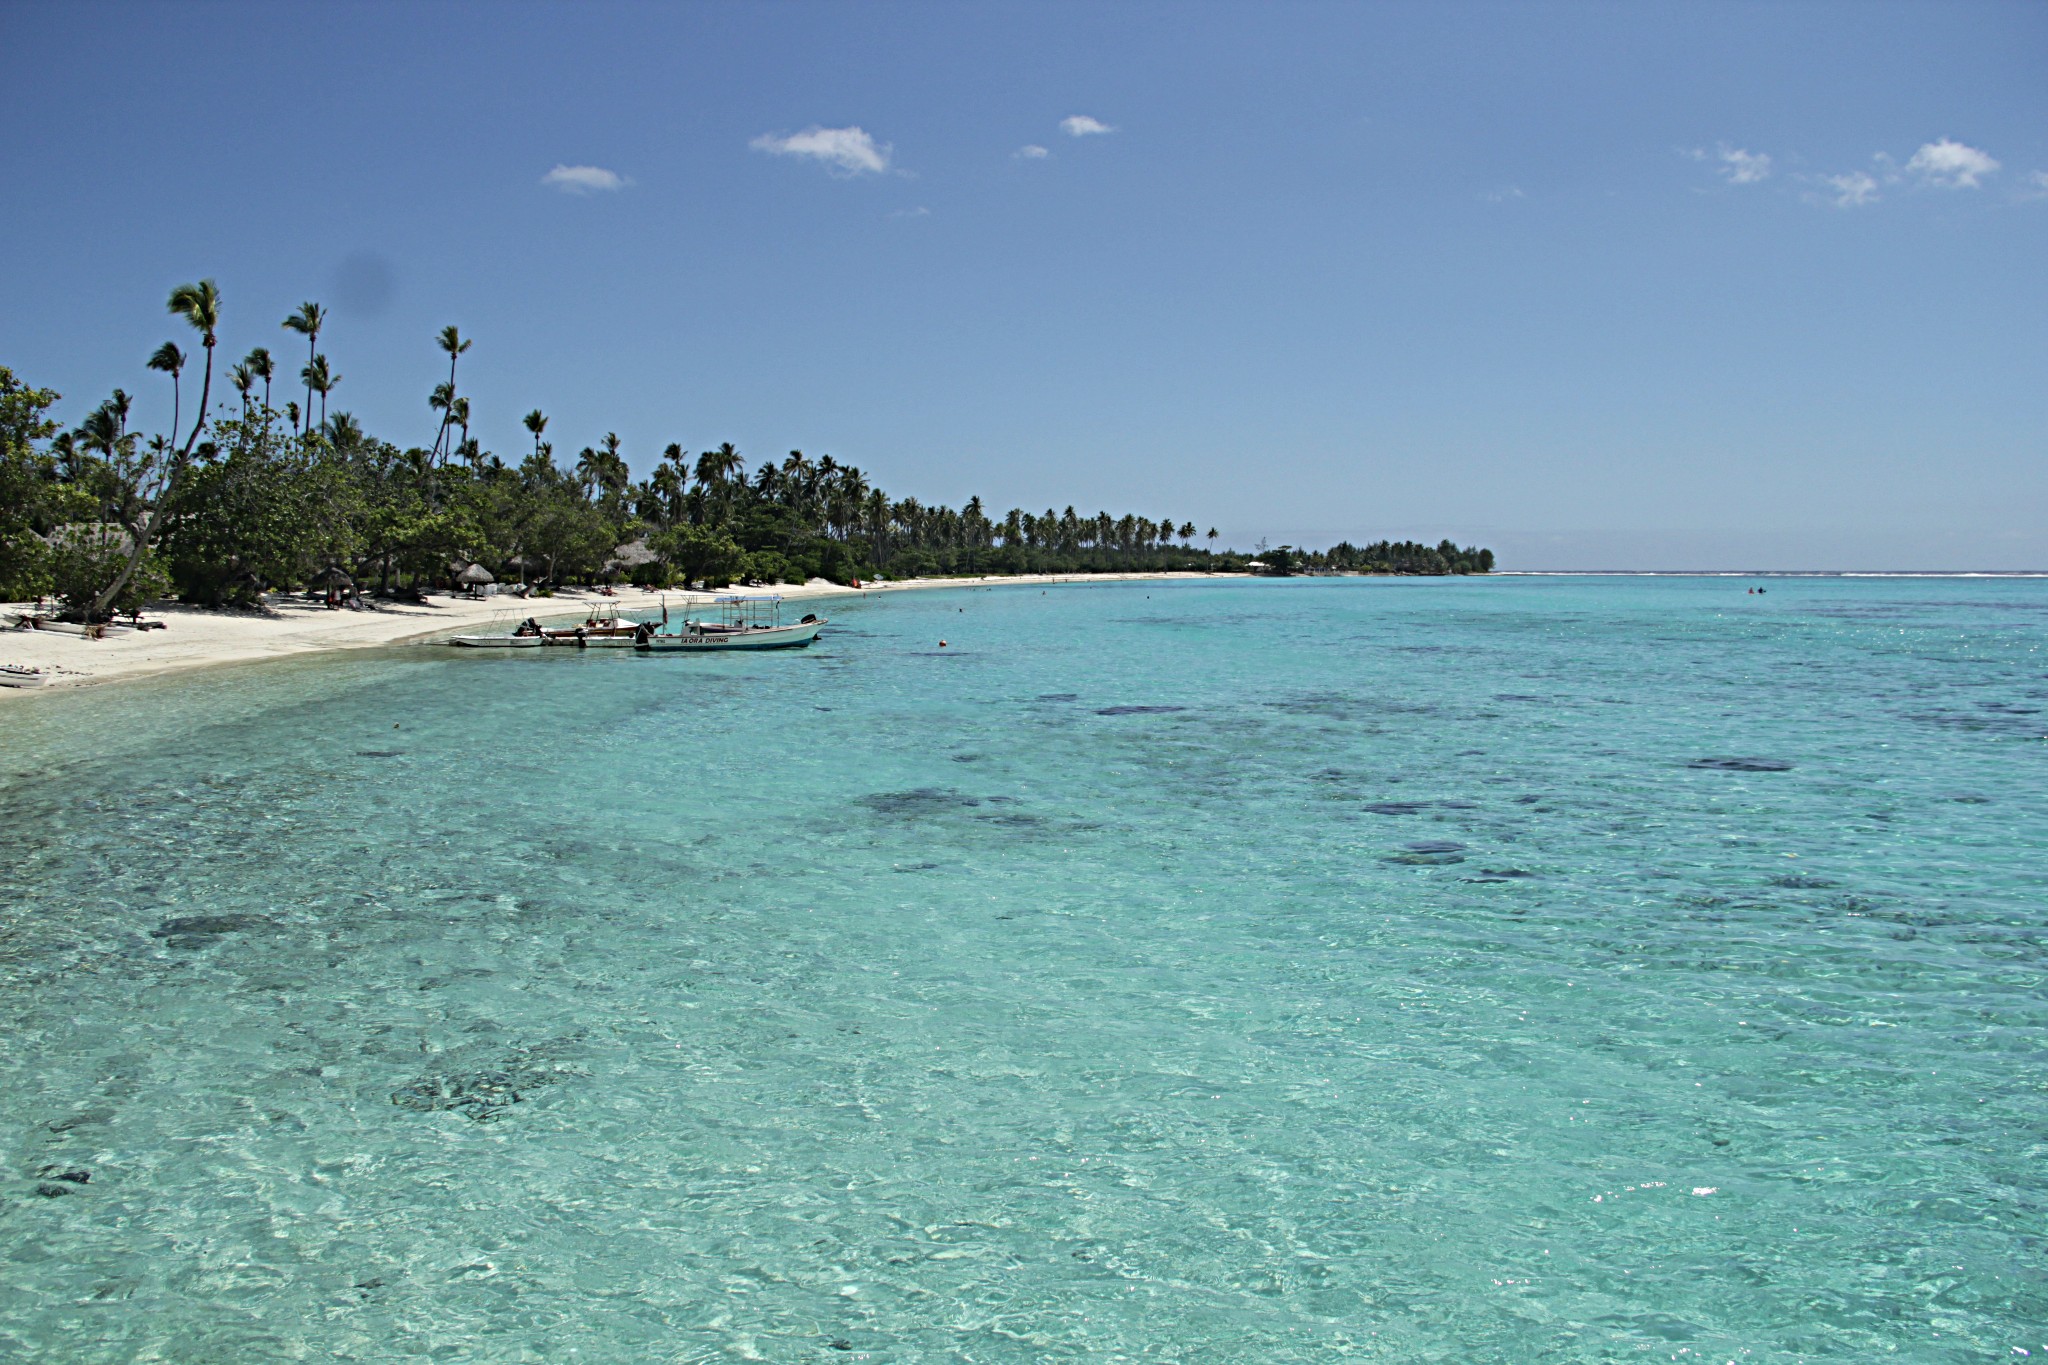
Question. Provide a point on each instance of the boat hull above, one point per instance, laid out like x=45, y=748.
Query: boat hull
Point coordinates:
x=498, y=641
x=716, y=642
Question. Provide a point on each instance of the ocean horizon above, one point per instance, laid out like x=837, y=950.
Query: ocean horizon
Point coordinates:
x=1566, y=967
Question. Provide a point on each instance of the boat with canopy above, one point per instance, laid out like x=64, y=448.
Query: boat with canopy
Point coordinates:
x=739, y=621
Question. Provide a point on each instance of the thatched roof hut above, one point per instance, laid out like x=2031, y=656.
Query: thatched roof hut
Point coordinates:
x=475, y=576
x=333, y=576
x=628, y=557
x=632, y=555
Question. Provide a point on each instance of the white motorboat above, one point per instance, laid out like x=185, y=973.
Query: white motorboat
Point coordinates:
x=528, y=636
x=744, y=622
x=26, y=675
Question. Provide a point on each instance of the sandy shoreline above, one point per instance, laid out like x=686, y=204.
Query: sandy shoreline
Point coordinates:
x=290, y=625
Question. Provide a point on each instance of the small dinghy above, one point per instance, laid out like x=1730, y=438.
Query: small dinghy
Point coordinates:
x=528, y=636
x=25, y=675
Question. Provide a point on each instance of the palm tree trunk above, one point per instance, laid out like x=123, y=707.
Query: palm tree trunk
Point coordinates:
x=140, y=533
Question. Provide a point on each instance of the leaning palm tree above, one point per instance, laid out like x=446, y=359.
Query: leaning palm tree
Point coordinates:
x=307, y=322
x=441, y=400
x=170, y=360
x=198, y=304
x=263, y=367
x=536, y=422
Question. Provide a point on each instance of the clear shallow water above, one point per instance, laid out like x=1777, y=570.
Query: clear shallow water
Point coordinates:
x=1404, y=995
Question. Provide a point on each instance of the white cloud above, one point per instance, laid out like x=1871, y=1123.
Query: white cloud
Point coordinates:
x=1502, y=195
x=1737, y=165
x=1031, y=152
x=1080, y=125
x=1951, y=165
x=2035, y=185
x=584, y=179
x=919, y=212
x=1740, y=167
x=847, y=151
x=1852, y=190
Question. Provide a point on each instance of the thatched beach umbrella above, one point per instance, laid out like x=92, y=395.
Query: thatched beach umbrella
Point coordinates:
x=335, y=580
x=475, y=576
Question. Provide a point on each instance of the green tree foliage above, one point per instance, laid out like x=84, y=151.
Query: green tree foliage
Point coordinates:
x=703, y=553
x=86, y=556
x=104, y=514
x=270, y=508
x=34, y=499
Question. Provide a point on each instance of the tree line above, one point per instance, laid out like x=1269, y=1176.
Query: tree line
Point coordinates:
x=255, y=495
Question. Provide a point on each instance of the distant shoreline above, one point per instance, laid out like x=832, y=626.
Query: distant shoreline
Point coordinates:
x=195, y=638
x=199, y=638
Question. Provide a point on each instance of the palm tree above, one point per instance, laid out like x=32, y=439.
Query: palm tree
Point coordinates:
x=170, y=360
x=105, y=429
x=730, y=461
x=878, y=521
x=244, y=379
x=450, y=341
x=198, y=304
x=321, y=380
x=441, y=400
x=343, y=431
x=1212, y=540
x=458, y=416
x=307, y=322
x=715, y=471
x=262, y=366
x=536, y=422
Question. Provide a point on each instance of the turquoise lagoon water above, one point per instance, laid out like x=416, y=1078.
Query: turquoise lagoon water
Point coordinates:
x=1197, y=972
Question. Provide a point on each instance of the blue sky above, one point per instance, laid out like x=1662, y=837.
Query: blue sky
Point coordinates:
x=1598, y=285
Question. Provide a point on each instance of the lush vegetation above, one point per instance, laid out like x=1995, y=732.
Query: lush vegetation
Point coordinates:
x=252, y=496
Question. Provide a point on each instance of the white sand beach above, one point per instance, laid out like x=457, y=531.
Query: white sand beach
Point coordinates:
x=291, y=624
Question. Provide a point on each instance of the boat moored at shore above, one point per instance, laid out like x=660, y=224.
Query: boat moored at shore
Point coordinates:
x=744, y=622
x=605, y=628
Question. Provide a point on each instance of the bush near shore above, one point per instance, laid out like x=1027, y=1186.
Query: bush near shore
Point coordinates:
x=262, y=495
